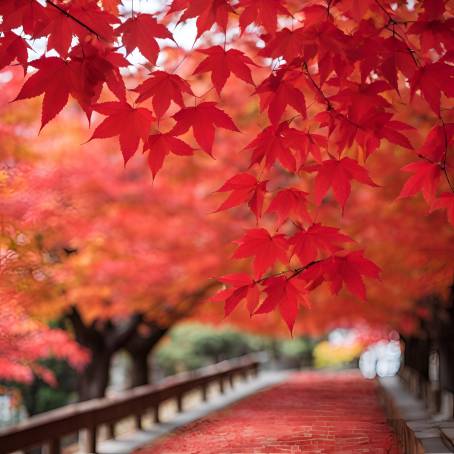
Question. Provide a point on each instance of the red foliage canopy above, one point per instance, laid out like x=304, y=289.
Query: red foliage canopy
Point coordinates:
x=336, y=82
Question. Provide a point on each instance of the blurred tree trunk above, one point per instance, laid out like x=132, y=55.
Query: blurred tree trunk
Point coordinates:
x=139, y=347
x=102, y=339
x=419, y=346
x=445, y=342
x=142, y=342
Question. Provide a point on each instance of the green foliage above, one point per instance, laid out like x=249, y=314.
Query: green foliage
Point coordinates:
x=194, y=345
x=297, y=352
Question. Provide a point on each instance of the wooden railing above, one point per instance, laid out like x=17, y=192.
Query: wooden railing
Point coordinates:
x=48, y=428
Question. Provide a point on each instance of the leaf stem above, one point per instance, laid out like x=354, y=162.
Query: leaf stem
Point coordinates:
x=294, y=272
x=445, y=157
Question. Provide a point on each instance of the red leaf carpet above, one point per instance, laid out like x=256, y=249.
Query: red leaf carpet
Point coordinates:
x=313, y=412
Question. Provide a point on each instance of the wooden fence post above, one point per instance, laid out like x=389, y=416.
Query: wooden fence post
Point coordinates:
x=138, y=421
x=180, y=403
x=54, y=446
x=91, y=440
x=111, y=430
x=204, y=393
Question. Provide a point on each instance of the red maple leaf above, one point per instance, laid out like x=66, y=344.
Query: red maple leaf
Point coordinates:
x=243, y=287
x=338, y=175
x=433, y=30
x=326, y=42
x=285, y=43
x=348, y=271
x=208, y=13
x=277, y=142
x=222, y=63
x=272, y=145
x=265, y=249
x=367, y=133
x=160, y=145
x=437, y=141
x=141, y=32
x=425, y=179
x=307, y=244
x=54, y=80
x=289, y=203
x=83, y=77
x=446, y=201
x=163, y=88
x=389, y=130
x=130, y=124
x=202, y=119
x=308, y=143
x=287, y=295
x=66, y=21
x=355, y=9
x=434, y=79
x=395, y=58
x=31, y=16
x=361, y=101
x=91, y=66
x=279, y=90
x=245, y=188
x=342, y=270
x=13, y=47
x=262, y=12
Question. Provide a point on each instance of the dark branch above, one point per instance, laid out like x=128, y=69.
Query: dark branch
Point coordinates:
x=85, y=335
x=63, y=11
x=123, y=332
x=145, y=342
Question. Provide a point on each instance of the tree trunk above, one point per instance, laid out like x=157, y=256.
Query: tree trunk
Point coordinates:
x=94, y=379
x=102, y=339
x=140, y=344
x=446, y=355
x=139, y=369
x=139, y=347
x=30, y=398
x=444, y=332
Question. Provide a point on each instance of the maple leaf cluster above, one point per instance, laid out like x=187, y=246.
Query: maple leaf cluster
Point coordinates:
x=327, y=80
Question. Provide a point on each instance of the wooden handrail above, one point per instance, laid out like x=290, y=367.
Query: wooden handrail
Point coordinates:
x=48, y=428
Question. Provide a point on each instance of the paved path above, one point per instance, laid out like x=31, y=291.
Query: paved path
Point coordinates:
x=311, y=412
x=194, y=410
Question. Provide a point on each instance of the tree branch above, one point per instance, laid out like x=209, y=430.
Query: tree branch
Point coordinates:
x=69, y=15
x=85, y=335
x=123, y=332
x=144, y=343
x=445, y=157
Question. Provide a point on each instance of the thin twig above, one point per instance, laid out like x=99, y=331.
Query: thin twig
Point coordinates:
x=445, y=157
x=63, y=11
x=329, y=106
x=294, y=272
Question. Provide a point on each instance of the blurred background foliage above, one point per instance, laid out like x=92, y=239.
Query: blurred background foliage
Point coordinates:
x=327, y=354
x=192, y=345
x=188, y=346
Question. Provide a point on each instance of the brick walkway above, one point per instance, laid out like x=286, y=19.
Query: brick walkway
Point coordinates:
x=312, y=412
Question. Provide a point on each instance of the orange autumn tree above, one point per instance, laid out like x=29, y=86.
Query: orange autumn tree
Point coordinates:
x=121, y=257
x=25, y=340
x=300, y=102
